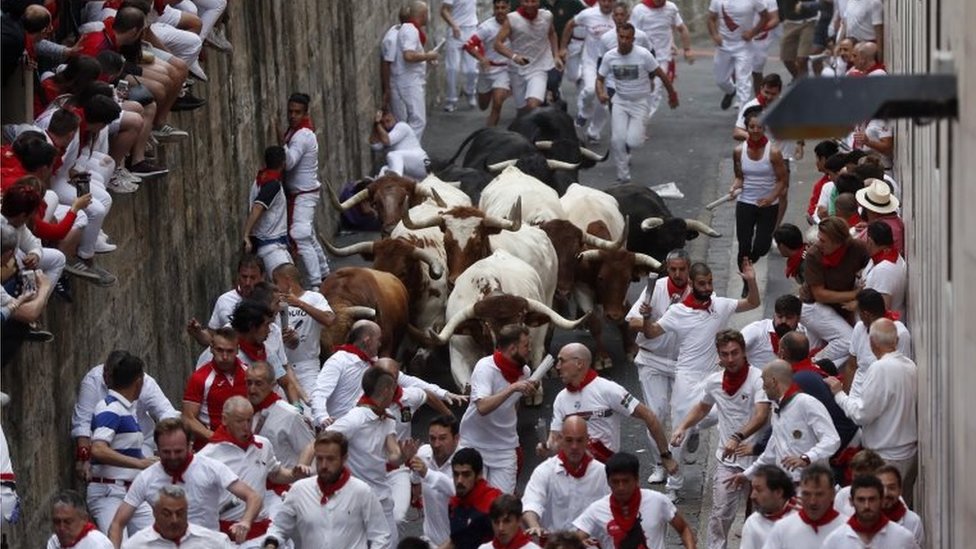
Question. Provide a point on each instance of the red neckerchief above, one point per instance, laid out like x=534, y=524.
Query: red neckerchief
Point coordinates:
x=82, y=125
x=223, y=435
x=761, y=99
x=521, y=539
x=887, y=254
x=305, y=122
x=897, y=513
x=692, y=302
x=788, y=396
x=580, y=469
x=398, y=396
x=622, y=522
x=267, y=176
x=85, y=530
x=757, y=143
x=521, y=11
x=510, y=370
x=793, y=263
x=267, y=402
x=729, y=22
x=834, y=258
x=774, y=341
x=479, y=497
x=329, y=490
x=253, y=351
x=372, y=405
x=807, y=365
x=869, y=530
x=892, y=315
x=674, y=291
x=830, y=515
x=853, y=220
x=732, y=382
x=650, y=4
x=29, y=47
x=159, y=6
x=177, y=476
x=420, y=31
x=350, y=348
x=790, y=506
x=876, y=67
x=587, y=379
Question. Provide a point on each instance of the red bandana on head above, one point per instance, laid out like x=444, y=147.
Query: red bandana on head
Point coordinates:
x=579, y=470
x=861, y=528
x=692, y=302
x=675, y=292
x=267, y=176
x=328, y=490
x=521, y=539
x=253, y=351
x=732, y=382
x=510, y=370
x=305, y=122
x=887, y=254
x=526, y=15
x=420, y=31
x=623, y=522
x=223, y=435
x=830, y=515
x=85, y=530
x=834, y=258
x=587, y=379
x=177, y=476
x=757, y=143
x=267, y=402
x=793, y=263
x=896, y=513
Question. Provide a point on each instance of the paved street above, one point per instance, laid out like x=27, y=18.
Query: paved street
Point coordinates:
x=690, y=146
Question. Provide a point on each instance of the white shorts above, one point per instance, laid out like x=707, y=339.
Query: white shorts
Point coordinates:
x=494, y=80
x=530, y=85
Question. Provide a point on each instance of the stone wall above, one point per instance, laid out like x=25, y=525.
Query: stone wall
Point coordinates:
x=178, y=236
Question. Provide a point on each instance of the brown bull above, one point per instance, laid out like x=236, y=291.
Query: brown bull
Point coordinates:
x=387, y=198
x=350, y=290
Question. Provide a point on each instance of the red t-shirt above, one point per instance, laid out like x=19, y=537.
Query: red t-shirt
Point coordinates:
x=210, y=388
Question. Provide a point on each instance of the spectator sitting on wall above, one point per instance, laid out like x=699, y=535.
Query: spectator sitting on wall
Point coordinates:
x=20, y=305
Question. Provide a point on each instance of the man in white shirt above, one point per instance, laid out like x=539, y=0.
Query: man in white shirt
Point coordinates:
x=408, y=78
x=534, y=51
x=171, y=530
x=886, y=410
x=339, y=383
x=432, y=465
x=894, y=507
x=564, y=485
x=72, y=528
x=655, y=358
x=404, y=155
x=660, y=19
x=308, y=313
x=633, y=69
x=489, y=424
x=494, y=84
x=388, y=51
x=250, y=271
x=694, y=322
x=461, y=17
x=870, y=307
x=630, y=515
x=863, y=20
x=332, y=506
x=275, y=419
x=772, y=500
x=816, y=518
x=732, y=24
x=595, y=21
x=887, y=271
x=869, y=527
x=266, y=227
x=602, y=404
x=251, y=457
x=742, y=408
x=762, y=336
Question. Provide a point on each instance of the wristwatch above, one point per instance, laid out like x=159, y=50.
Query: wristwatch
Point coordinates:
x=805, y=458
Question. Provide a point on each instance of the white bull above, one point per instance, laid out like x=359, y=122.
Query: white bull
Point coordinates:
x=585, y=206
x=540, y=202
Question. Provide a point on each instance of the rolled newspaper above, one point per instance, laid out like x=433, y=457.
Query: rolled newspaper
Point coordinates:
x=544, y=366
x=723, y=199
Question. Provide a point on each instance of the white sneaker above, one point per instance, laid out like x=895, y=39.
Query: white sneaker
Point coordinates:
x=473, y=101
x=103, y=246
x=122, y=186
x=657, y=475
x=123, y=173
x=450, y=107
x=218, y=40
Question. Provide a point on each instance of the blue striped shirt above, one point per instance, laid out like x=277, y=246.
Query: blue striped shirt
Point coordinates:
x=114, y=422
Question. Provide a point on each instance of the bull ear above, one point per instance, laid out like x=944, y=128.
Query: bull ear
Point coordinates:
x=691, y=235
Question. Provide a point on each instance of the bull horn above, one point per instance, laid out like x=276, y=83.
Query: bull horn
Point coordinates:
x=597, y=242
x=588, y=154
x=437, y=198
x=353, y=249
x=512, y=223
x=560, y=165
x=651, y=223
x=420, y=336
x=499, y=166
x=543, y=145
x=350, y=202
x=647, y=261
x=452, y=324
x=409, y=223
x=434, y=266
x=358, y=312
x=700, y=227
x=555, y=318
x=588, y=255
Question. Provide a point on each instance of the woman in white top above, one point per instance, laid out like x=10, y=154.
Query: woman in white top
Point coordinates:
x=761, y=175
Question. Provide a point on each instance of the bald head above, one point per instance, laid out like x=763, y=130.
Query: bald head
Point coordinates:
x=884, y=336
x=577, y=351
x=575, y=426
x=794, y=347
x=779, y=370
x=36, y=19
x=389, y=366
x=865, y=55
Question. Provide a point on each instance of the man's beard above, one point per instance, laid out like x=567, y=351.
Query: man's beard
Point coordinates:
x=330, y=478
x=782, y=329
x=701, y=296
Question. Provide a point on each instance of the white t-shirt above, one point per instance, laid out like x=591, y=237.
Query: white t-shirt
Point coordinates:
x=759, y=342
x=888, y=278
x=530, y=39
x=631, y=72
x=557, y=497
x=367, y=434
x=695, y=330
x=792, y=533
x=195, y=537
x=735, y=17
x=656, y=511
x=464, y=12
x=860, y=349
x=659, y=24
x=402, y=71
x=252, y=466
x=661, y=352
x=496, y=430
x=402, y=138
x=602, y=403
x=302, y=161
x=224, y=309
x=756, y=529
x=860, y=17
x=734, y=410
x=205, y=481
x=388, y=44
x=594, y=23
x=487, y=31
x=273, y=222
x=307, y=328
x=891, y=536
x=92, y=540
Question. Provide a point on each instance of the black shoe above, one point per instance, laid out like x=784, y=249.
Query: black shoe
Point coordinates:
x=39, y=336
x=63, y=290
x=726, y=101
x=146, y=169
x=188, y=103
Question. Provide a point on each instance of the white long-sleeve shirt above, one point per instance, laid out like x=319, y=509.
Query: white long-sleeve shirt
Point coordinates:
x=151, y=406
x=437, y=489
x=302, y=162
x=756, y=529
x=351, y=518
x=196, y=537
x=892, y=536
x=792, y=533
x=886, y=410
x=803, y=426
x=558, y=498
x=338, y=386
x=860, y=349
x=286, y=428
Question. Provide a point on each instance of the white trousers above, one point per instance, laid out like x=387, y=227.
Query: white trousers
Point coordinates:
x=824, y=322
x=209, y=12
x=387, y=505
x=734, y=61
x=302, y=231
x=51, y=263
x=656, y=386
x=410, y=163
x=685, y=393
x=399, y=482
x=587, y=105
x=96, y=211
x=574, y=58
x=627, y=131
x=105, y=499
x=273, y=256
x=412, y=99
x=531, y=85
x=657, y=91
x=457, y=60
x=725, y=503
x=501, y=469
x=183, y=44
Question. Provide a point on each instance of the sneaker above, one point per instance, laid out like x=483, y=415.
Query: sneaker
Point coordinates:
x=105, y=278
x=63, y=290
x=473, y=101
x=122, y=186
x=147, y=169
x=658, y=475
x=218, y=41
x=39, y=336
x=188, y=103
x=167, y=133
x=450, y=107
x=580, y=122
x=727, y=101
x=123, y=173
x=103, y=246
x=79, y=268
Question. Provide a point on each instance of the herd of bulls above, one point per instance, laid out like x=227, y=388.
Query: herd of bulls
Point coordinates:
x=512, y=238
